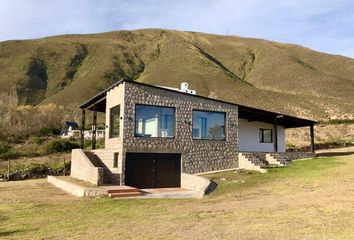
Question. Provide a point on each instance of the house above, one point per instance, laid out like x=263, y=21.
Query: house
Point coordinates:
x=157, y=136
x=72, y=130
x=100, y=134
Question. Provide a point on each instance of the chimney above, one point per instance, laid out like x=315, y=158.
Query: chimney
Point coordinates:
x=184, y=88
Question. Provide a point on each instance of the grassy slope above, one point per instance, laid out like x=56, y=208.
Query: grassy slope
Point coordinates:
x=323, y=133
x=311, y=199
x=286, y=78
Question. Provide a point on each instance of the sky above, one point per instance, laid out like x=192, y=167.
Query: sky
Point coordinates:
x=323, y=25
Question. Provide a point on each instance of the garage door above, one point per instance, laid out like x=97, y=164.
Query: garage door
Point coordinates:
x=153, y=170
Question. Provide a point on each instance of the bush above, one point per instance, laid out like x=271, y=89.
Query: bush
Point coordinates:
x=100, y=143
x=35, y=140
x=337, y=121
x=59, y=145
x=291, y=147
x=48, y=131
x=20, y=121
x=10, y=155
x=4, y=148
x=35, y=170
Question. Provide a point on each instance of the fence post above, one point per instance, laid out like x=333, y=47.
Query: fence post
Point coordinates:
x=64, y=167
x=8, y=169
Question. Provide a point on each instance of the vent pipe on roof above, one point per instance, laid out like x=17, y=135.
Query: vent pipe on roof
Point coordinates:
x=184, y=88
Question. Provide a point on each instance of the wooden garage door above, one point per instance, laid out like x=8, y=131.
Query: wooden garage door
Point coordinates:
x=153, y=170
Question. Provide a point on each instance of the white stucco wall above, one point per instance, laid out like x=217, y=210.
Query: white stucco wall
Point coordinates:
x=249, y=137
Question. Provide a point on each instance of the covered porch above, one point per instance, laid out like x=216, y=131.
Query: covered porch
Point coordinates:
x=264, y=131
x=94, y=105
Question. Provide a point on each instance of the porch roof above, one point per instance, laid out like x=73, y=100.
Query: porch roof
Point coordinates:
x=99, y=100
x=245, y=112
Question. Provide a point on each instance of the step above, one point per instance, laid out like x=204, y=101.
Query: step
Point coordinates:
x=125, y=194
x=132, y=190
x=273, y=166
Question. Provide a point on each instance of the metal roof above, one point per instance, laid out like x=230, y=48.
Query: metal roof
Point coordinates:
x=246, y=112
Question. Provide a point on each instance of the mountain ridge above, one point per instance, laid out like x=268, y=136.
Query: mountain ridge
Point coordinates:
x=288, y=78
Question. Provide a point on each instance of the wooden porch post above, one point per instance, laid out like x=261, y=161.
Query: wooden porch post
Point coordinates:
x=312, y=135
x=275, y=130
x=82, y=129
x=94, y=127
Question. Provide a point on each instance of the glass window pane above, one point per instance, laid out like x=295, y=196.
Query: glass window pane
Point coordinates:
x=265, y=135
x=114, y=121
x=208, y=125
x=153, y=121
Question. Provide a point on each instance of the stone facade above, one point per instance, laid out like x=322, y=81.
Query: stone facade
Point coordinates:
x=197, y=155
x=290, y=156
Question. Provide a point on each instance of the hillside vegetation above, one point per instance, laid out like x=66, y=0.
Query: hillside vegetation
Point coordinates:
x=67, y=70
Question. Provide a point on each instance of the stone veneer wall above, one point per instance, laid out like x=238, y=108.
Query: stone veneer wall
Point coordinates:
x=197, y=155
x=289, y=156
x=281, y=157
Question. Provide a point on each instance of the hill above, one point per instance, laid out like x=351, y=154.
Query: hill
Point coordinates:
x=68, y=69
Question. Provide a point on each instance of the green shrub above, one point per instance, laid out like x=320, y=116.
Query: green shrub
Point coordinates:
x=99, y=144
x=35, y=170
x=337, y=121
x=10, y=155
x=291, y=146
x=335, y=141
x=35, y=140
x=59, y=145
x=4, y=147
x=48, y=131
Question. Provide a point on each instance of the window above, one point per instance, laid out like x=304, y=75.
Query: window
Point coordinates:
x=208, y=125
x=153, y=121
x=115, y=160
x=114, y=121
x=265, y=135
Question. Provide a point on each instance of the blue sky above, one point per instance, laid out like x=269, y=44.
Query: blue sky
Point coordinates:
x=322, y=25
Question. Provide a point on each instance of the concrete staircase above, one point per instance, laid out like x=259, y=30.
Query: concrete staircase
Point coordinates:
x=255, y=159
x=260, y=161
x=248, y=162
x=282, y=159
x=123, y=191
x=108, y=176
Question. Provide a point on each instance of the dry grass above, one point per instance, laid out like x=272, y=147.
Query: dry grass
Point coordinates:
x=312, y=199
x=323, y=133
x=19, y=121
